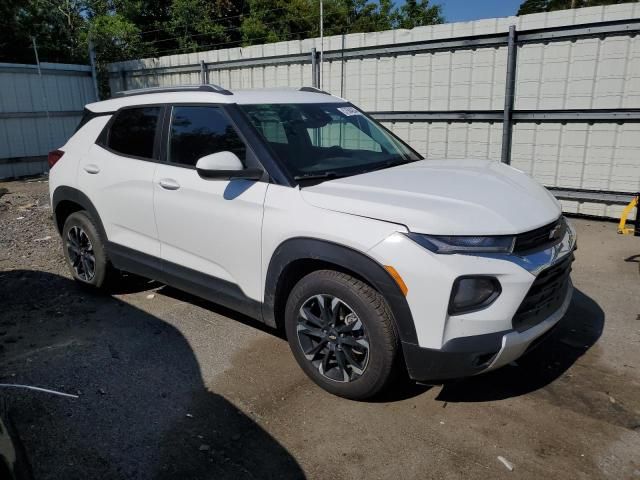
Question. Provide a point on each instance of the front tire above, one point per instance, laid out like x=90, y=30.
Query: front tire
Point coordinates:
x=84, y=251
x=341, y=333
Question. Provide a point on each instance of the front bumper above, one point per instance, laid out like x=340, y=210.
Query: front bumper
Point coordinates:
x=467, y=356
x=450, y=346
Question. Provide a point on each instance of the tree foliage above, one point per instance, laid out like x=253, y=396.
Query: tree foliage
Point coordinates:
x=124, y=29
x=55, y=24
x=127, y=29
x=538, y=6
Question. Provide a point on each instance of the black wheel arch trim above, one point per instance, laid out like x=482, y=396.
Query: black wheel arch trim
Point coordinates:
x=65, y=193
x=304, y=248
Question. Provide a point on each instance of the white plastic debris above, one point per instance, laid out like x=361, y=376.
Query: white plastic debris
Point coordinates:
x=20, y=218
x=506, y=463
x=37, y=389
x=150, y=296
x=43, y=239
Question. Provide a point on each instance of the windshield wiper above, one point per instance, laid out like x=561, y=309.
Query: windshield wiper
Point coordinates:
x=331, y=174
x=319, y=176
x=389, y=164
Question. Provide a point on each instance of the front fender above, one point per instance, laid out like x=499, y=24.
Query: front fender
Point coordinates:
x=364, y=266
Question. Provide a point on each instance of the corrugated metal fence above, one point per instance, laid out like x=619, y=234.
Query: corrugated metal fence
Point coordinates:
x=38, y=112
x=572, y=119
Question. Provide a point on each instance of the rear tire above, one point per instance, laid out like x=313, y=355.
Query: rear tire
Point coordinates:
x=342, y=335
x=84, y=251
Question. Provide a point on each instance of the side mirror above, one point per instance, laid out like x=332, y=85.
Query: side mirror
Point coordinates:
x=225, y=166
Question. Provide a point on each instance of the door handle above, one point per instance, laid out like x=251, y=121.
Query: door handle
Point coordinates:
x=91, y=168
x=169, y=184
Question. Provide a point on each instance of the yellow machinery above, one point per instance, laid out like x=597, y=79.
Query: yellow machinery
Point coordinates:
x=622, y=228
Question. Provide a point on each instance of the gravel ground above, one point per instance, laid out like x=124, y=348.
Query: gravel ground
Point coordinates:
x=170, y=386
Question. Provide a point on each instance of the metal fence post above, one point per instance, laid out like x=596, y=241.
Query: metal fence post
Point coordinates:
x=510, y=83
x=636, y=229
x=43, y=89
x=203, y=72
x=342, y=79
x=94, y=75
x=123, y=79
x=314, y=68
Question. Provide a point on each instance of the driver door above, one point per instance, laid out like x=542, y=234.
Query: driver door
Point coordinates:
x=209, y=230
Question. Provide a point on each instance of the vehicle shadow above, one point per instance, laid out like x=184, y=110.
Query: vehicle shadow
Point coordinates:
x=402, y=389
x=143, y=410
x=575, y=334
x=220, y=310
x=578, y=331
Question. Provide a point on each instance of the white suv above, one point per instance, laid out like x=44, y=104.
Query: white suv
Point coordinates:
x=296, y=208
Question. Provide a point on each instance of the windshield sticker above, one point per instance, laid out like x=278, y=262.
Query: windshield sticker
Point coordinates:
x=349, y=111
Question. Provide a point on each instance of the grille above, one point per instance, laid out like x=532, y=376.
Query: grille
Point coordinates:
x=545, y=295
x=541, y=238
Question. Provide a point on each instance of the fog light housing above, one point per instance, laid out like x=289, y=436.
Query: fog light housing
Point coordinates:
x=472, y=293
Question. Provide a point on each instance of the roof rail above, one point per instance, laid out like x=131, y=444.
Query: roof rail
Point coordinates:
x=313, y=89
x=180, y=88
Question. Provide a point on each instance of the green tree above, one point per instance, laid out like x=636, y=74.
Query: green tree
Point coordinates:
x=267, y=21
x=270, y=21
x=415, y=13
x=194, y=23
x=537, y=6
x=114, y=38
x=56, y=25
x=126, y=29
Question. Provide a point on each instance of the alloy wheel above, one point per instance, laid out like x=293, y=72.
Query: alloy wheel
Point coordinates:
x=81, y=254
x=333, y=338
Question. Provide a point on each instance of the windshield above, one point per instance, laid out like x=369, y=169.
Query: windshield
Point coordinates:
x=327, y=140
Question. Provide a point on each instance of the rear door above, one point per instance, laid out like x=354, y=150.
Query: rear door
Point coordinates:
x=210, y=230
x=117, y=175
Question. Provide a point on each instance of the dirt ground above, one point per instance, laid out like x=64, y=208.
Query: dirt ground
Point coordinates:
x=171, y=386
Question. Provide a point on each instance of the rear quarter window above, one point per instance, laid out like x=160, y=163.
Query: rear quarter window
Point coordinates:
x=133, y=131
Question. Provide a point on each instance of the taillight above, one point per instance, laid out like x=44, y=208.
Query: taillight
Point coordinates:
x=54, y=156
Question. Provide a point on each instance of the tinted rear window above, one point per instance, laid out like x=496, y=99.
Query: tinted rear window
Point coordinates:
x=133, y=131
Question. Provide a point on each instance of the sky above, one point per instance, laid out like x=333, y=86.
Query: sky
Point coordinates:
x=465, y=10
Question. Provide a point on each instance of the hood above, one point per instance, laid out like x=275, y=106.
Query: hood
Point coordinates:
x=443, y=197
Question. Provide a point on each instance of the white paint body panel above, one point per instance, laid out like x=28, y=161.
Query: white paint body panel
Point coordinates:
x=429, y=278
x=77, y=147
x=122, y=193
x=211, y=226
x=451, y=197
x=287, y=215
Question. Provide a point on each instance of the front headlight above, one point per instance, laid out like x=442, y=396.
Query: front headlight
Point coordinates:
x=464, y=244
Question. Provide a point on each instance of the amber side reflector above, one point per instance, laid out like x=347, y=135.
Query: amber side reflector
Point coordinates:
x=396, y=276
